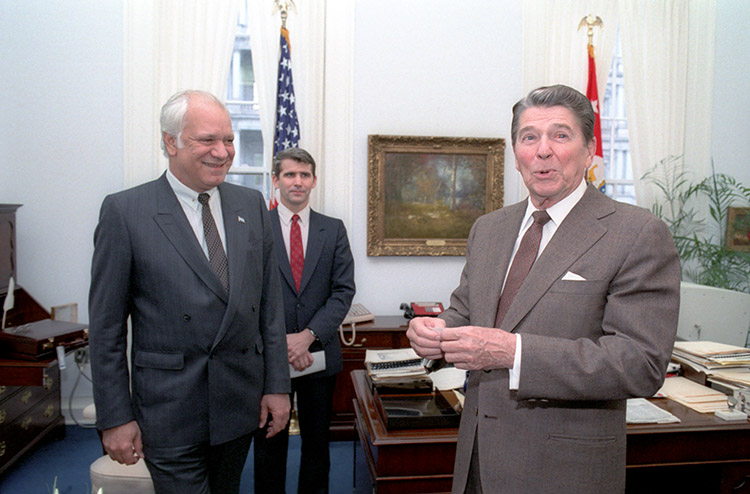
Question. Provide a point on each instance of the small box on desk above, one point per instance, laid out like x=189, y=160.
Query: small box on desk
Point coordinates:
x=38, y=340
x=416, y=410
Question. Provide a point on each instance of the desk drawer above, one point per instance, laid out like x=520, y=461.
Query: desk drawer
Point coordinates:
x=23, y=398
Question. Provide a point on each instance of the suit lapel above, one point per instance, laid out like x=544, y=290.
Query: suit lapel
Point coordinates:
x=495, y=259
x=171, y=219
x=577, y=233
x=315, y=242
x=236, y=230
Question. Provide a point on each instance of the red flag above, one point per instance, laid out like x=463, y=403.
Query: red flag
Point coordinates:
x=272, y=202
x=596, y=170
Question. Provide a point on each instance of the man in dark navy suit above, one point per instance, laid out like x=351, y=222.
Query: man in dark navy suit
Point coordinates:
x=317, y=282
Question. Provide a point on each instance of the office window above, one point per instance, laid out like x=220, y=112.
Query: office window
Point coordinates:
x=615, y=140
x=248, y=168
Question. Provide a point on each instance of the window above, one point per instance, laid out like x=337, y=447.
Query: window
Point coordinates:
x=615, y=140
x=248, y=168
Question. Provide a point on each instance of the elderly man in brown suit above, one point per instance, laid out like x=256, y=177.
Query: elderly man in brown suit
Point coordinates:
x=555, y=347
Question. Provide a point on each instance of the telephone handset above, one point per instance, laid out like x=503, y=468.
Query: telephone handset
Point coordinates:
x=357, y=313
x=422, y=309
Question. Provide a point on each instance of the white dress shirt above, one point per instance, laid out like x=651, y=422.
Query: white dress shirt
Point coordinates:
x=557, y=213
x=193, y=209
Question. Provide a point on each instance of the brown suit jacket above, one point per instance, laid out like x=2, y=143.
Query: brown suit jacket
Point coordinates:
x=587, y=346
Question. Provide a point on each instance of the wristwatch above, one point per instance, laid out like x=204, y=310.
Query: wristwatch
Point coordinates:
x=312, y=333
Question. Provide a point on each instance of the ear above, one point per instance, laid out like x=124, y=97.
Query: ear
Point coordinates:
x=274, y=181
x=590, y=152
x=170, y=143
x=314, y=182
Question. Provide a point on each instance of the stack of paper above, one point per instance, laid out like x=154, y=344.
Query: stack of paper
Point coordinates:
x=705, y=356
x=694, y=395
x=397, y=363
x=642, y=411
x=737, y=376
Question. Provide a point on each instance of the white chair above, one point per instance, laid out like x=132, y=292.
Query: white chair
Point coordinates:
x=115, y=478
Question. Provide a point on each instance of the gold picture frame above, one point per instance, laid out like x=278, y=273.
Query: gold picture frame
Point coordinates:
x=738, y=229
x=424, y=193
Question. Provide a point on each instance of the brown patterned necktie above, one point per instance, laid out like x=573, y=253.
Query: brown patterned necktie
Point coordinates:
x=525, y=257
x=296, y=255
x=216, y=255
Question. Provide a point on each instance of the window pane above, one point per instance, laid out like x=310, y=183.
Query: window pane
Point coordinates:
x=252, y=180
x=248, y=169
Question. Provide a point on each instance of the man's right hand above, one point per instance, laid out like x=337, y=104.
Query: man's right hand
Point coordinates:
x=123, y=443
x=424, y=335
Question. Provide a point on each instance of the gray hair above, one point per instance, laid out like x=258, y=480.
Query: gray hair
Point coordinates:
x=557, y=95
x=172, y=118
x=297, y=154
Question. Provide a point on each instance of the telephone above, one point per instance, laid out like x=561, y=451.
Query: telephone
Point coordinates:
x=422, y=309
x=357, y=313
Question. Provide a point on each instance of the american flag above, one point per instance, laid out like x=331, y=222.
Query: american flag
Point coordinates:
x=286, y=134
x=596, y=170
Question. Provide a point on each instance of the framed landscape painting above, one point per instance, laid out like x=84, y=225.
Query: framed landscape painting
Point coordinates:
x=424, y=193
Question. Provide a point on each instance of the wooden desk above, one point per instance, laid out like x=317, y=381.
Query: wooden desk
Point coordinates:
x=383, y=332
x=702, y=454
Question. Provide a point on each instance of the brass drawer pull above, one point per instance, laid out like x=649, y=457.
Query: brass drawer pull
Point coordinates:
x=2, y=389
x=26, y=396
x=26, y=423
x=2, y=448
x=3, y=415
x=47, y=345
x=49, y=411
x=360, y=344
x=48, y=382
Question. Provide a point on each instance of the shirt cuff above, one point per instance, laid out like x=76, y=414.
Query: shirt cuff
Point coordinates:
x=515, y=371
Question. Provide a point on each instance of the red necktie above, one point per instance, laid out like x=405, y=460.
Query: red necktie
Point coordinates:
x=296, y=255
x=525, y=257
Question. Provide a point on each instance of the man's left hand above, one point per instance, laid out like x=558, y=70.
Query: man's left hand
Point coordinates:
x=302, y=363
x=476, y=348
x=277, y=406
x=297, y=344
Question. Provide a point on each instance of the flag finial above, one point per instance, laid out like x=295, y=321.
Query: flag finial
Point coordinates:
x=283, y=6
x=590, y=21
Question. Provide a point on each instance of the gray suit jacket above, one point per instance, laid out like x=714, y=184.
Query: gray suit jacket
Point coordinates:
x=327, y=286
x=201, y=359
x=587, y=346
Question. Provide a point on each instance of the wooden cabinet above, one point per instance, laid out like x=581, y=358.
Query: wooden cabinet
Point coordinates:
x=383, y=332
x=29, y=391
x=29, y=407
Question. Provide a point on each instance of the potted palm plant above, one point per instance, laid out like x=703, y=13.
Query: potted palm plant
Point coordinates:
x=701, y=238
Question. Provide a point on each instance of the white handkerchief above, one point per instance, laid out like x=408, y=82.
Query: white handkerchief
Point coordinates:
x=319, y=364
x=571, y=276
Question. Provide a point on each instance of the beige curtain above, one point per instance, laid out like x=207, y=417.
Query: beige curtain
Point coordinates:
x=170, y=45
x=667, y=48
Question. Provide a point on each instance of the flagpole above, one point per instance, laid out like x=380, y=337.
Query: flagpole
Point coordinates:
x=596, y=173
x=286, y=127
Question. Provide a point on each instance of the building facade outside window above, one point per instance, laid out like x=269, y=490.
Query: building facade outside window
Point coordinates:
x=615, y=139
x=248, y=168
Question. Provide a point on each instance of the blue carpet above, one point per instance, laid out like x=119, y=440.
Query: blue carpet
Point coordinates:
x=69, y=460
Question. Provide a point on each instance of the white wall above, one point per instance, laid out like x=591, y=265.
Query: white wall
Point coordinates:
x=60, y=141
x=423, y=67
x=731, y=114
x=427, y=68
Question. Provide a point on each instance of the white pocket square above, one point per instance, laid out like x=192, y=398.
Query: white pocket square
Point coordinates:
x=571, y=276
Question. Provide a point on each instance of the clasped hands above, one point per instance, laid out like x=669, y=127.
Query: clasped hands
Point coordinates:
x=467, y=347
x=298, y=352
